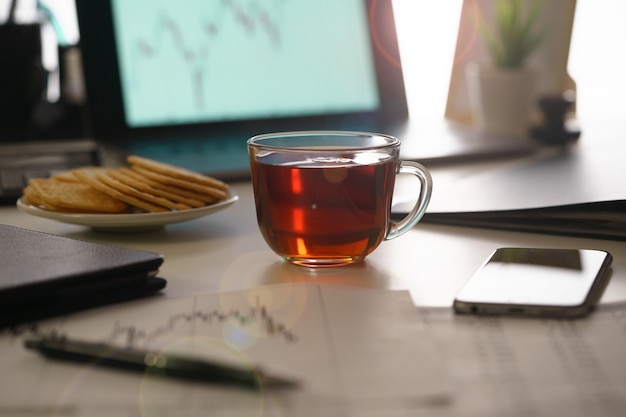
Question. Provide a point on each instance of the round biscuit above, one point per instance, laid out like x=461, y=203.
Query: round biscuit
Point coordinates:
x=126, y=176
x=205, y=198
x=75, y=197
x=69, y=176
x=127, y=190
x=164, y=179
x=92, y=180
x=176, y=172
x=31, y=196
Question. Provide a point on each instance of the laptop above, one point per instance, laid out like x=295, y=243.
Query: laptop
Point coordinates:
x=188, y=82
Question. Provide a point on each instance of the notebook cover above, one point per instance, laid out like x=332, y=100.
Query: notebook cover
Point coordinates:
x=44, y=274
x=574, y=191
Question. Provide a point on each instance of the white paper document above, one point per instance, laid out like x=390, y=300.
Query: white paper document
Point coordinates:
x=506, y=366
x=356, y=352
x=353, y=350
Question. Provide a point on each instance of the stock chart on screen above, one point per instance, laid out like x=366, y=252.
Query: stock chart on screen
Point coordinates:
x=191, y=61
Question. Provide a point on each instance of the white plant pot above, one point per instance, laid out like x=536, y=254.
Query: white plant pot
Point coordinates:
x=502, y=100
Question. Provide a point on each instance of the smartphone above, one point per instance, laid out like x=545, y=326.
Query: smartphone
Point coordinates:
x=536, y=282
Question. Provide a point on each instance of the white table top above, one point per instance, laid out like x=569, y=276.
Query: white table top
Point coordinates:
x=463, y=365
x=225, y=251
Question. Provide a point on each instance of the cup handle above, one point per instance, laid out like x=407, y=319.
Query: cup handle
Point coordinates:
x=399, y=228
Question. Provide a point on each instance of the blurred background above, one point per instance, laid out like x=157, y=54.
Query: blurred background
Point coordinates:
x=427, y=33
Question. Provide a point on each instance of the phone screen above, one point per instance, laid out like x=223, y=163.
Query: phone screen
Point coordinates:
x=520, y=280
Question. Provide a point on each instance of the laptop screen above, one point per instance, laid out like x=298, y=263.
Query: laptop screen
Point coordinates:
x=180, y=80
x=222, y=60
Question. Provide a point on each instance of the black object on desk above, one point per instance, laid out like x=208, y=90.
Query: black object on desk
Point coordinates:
x=556, y=130
x=21, y=161
x=154, y=363
x=45, y=275
x=22, y=76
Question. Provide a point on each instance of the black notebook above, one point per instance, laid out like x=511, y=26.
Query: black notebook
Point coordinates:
x=573, y=191
x=43, y=275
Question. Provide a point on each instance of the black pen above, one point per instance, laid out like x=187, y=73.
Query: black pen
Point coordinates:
x=153, y=363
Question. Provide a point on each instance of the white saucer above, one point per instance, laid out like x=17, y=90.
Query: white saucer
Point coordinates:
x=127, y=222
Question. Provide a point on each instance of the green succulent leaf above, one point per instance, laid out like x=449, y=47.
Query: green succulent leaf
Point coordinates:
x=514, y=36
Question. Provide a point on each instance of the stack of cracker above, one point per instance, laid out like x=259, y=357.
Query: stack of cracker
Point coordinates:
x=145, y=186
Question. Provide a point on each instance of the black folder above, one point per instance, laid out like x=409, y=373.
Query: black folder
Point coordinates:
x=44, y=275
x=572, y=191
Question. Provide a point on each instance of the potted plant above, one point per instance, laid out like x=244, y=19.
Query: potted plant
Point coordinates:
x=502, y=94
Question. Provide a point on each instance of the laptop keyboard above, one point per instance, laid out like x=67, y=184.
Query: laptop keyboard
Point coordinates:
x=21, y=162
